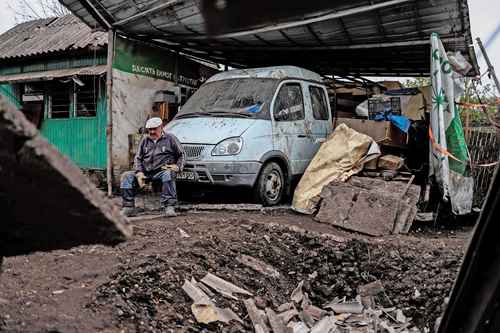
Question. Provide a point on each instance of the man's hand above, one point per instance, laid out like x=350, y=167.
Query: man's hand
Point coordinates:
x=141, y=179
x=171, y=167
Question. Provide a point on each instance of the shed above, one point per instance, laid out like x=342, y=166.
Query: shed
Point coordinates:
x=55, y=71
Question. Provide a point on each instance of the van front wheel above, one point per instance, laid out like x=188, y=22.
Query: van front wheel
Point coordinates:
x=270, y=185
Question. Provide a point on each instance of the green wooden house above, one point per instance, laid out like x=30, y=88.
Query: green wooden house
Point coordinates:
x=55, y=70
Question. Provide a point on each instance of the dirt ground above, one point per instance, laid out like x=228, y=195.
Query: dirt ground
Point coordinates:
x=136, y=286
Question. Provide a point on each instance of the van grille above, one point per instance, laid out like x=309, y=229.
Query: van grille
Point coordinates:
x=193, y=152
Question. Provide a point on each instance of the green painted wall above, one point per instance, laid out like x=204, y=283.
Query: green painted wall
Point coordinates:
x=82, y=139
x=8, y=91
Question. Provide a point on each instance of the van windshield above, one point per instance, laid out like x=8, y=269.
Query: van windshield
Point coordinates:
x=244, y=98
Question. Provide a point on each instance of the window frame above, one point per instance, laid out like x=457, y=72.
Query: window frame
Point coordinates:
x=275, y=101
x=49, y=89
x=73, y=100
x=95, y=82
x=325, y=102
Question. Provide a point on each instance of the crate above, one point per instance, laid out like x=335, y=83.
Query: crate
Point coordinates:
x=384, y=106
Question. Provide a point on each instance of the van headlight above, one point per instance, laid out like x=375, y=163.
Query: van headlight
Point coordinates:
x=231, y=146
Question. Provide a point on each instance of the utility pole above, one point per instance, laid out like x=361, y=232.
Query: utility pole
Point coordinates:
x=491, y=70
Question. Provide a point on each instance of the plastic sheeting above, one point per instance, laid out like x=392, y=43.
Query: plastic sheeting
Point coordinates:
x=449, y=157
x=342, y=155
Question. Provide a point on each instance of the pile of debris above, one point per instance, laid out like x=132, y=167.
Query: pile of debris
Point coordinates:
x=145, y=293
x=376, y=206
x=299, y=315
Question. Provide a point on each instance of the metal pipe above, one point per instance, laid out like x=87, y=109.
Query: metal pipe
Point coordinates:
x=328, y=47
x=97, y=15
x=146, y=12
x=109, y=106
x=491, y=70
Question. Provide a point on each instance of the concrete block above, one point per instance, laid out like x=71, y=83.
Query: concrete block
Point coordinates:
x=46, y=202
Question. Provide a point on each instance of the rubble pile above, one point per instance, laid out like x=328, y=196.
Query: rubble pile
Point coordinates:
x=299, y=315
x=217, y=284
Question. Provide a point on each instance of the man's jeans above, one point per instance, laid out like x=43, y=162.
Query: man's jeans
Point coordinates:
x=129, y=187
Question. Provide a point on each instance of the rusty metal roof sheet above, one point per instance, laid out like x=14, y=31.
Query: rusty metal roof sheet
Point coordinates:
x=54, y=74
x=356, y=37
x=49, y=35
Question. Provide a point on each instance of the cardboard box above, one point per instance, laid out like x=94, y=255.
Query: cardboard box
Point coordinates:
x=383, y=132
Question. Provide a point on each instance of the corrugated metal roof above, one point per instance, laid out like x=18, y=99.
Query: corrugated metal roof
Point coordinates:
x=361, y=37
x=49, y=35
x=54, y=74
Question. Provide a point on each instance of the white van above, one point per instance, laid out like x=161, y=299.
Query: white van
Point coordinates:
x=256, y=128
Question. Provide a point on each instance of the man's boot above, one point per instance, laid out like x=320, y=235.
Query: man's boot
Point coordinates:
x=129, y=211
x=169, y=211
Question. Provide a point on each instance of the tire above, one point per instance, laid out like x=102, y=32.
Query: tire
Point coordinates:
x=270, y=185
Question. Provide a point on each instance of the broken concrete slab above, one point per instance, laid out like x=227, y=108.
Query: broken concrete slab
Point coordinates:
x=258, y=317
x=299, y=327
x=45, y=200
x=196, y=294
x=224, y=287
x=275, y=322
x=370, y=206
x=297, y=294
x=258, y=265
x=325, y=325
x=346, y=307
x=288, y=315
x=209, y=313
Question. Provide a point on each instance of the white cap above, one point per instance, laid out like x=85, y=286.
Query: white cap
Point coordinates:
x=154, y=122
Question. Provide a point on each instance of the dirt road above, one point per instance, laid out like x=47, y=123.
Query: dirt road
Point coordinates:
x=136, y=286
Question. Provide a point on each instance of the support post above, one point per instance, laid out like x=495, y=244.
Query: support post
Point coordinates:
x=109, y=107
x=491, y=70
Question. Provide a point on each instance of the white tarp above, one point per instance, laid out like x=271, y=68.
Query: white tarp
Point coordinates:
x=449, y=157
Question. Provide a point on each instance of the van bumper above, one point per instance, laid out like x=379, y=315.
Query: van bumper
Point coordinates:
x=243, y=173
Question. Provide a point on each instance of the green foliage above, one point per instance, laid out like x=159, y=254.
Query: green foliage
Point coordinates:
x=417, y=82
x=478, y=94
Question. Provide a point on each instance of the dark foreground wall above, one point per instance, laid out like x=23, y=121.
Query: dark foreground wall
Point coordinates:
x=46, y=202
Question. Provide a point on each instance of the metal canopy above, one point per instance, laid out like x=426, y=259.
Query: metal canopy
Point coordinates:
x=357, y=37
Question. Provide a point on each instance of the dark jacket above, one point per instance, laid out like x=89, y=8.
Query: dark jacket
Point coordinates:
x=152, y=156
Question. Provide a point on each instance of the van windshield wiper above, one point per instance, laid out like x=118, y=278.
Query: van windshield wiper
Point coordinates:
x=194, y=115
x=230, y=114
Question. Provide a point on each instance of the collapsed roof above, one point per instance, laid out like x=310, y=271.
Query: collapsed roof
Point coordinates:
x=356, y=37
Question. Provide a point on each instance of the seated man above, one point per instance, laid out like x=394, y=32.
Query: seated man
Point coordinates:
x=159, y=157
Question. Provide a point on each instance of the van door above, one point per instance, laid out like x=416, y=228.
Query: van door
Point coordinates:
x=320, y=116
x=289, y=125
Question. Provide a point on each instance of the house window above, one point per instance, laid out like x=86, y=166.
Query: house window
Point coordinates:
x=86, y=94
x=73, y=97
x=60, y=99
